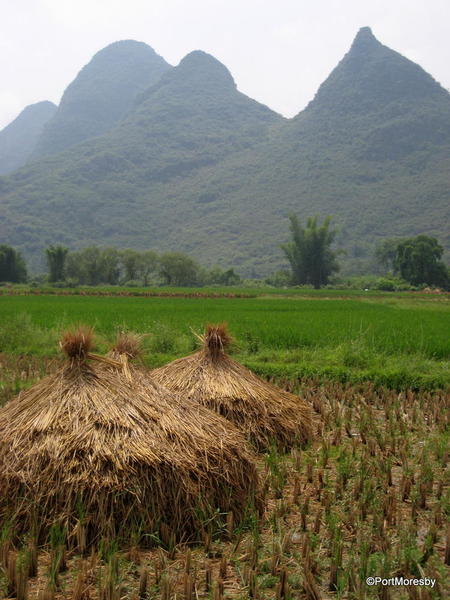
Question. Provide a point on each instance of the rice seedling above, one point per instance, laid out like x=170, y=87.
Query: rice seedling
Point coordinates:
x=57, y=554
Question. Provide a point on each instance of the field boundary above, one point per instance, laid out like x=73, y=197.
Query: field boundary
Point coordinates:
x=125, y=293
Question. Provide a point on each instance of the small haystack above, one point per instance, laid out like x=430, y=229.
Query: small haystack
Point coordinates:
x=87, y=449
x=265, y=413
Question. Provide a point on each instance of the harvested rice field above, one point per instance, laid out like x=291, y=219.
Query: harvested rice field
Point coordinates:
x=368, y=495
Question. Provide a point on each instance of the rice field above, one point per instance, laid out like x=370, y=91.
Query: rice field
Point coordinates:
x=368, y=497
x=395, y=340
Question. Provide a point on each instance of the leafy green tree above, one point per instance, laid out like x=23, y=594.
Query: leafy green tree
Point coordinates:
x=91, y=265
x=229, y=277
x=417, y=260
x=386, y=251
x=147, y=265
x=56, y=261
x=219, y=277
x=309, y=253
x=279, y=279
x=130, y=261
x=138, y=265
x=12, y=265
x=94, y=265
x=178, y=269
x=109, y=266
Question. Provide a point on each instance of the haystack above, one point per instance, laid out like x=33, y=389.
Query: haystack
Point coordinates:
x=85, y=448
x=263, y=412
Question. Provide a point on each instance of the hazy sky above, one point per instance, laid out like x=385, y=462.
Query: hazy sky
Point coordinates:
x=277, y=51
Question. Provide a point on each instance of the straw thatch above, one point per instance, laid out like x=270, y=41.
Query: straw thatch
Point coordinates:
x=86, y=448
x=265, y=413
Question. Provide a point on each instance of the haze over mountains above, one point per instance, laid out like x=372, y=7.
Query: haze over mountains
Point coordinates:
x=19, y=138
x=101, y=94
x=181, y=160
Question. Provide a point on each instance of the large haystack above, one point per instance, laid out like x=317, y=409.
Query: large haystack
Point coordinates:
x=86, y=448
x=265, y=413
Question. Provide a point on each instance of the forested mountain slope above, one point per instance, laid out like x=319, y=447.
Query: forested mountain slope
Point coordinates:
x=101, y=94
x=196, y=166
x=18, y=139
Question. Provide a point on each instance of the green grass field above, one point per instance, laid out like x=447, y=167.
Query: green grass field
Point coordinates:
x=398, y=340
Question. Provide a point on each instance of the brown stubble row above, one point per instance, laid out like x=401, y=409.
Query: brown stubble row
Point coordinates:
x=369, y=496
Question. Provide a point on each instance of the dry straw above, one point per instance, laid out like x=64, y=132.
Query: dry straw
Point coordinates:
x=87, y=448
x=265, y=413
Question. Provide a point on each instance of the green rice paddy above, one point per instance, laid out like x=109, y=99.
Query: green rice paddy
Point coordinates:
x=395, y=339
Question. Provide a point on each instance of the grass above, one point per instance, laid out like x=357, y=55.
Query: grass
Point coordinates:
x=395, y=340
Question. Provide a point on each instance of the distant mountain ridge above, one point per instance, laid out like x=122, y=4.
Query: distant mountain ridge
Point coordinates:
x=197, y=166
x=101, y=94
x=371, y=75
x=19, y=138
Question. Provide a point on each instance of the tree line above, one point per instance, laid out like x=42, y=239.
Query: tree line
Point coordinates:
x=416, y=260
x=95, y=265
x=112, y=266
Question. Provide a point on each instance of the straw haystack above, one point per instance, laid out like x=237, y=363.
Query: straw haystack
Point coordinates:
x=86, y=448
x=265, y=413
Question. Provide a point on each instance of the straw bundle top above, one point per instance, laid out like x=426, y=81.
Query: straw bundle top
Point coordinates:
x=262, y=411
x=89, y=435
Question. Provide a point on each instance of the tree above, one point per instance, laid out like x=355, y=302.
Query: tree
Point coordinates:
x=130, y=262
x=216, y=276
x=147, y=264
x=178, y=269
x=229, y=277
x=12, y=265
x=417, y=260
x=94, y=265
x=309, y=253
x=279, y=279
x=386, y=251
x=56, y=261
x=109, y=266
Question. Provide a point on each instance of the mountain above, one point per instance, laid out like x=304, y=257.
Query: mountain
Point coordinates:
x=18, y=139
x=375, y=158
x=194, y=116
x=115, y=188
x=101, y=94
x=197, y=166
x=372, y=149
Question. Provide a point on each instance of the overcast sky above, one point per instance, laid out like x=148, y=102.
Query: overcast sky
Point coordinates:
x=277, y=51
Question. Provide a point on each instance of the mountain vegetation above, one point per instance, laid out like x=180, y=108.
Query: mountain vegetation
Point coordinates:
x=101, y=94
x=197, y=166
x=19, y=138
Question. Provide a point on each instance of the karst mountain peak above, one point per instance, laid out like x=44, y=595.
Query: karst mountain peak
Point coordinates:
x=101, y=94
x=205, y=68
x=189, y=162
x=370, y=76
